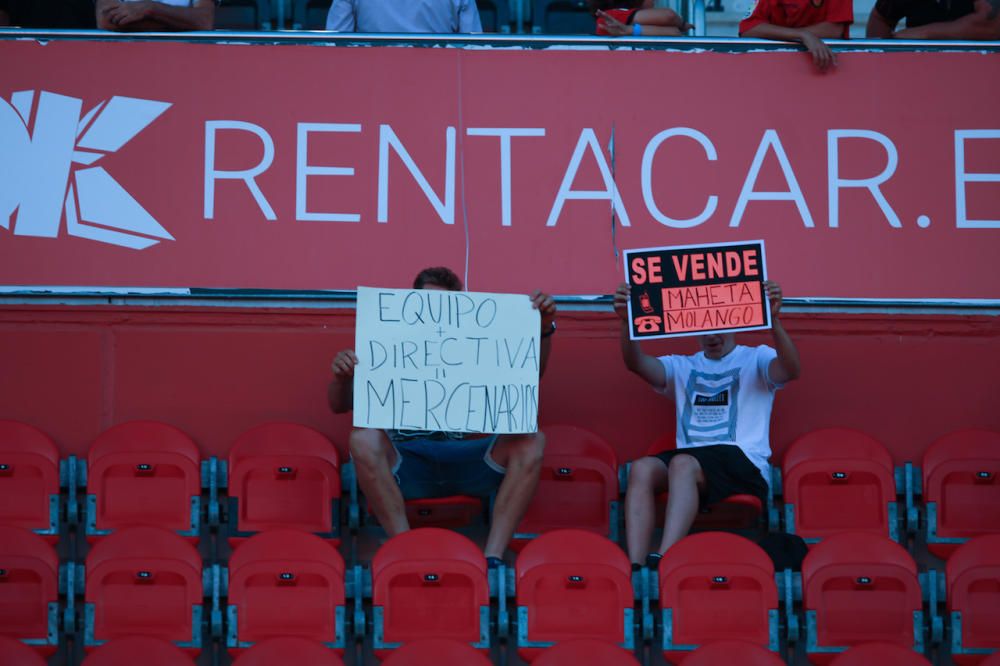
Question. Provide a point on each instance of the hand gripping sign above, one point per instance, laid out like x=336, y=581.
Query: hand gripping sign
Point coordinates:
x=697, y=289
x=455, y=361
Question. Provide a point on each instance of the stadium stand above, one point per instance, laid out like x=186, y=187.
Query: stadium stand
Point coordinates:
x=585, y=651
x=732, y=652
x=879, y=653
x=572, y=584
x=132, y=650
x=837, y=480
x=29, y=479
x=494, y=15
x=972, y=577
x=310, y=14
x=16, y=653
x=961, y=488
x=859, y=587
x=283, y=475
x=716, y=586
x=143, y=473
x=562, y=17
x=29, y=589
x=454, y=511
x=144, y=581
x=286, y=583
x=734, y=512
x=429, y=583
x=288, y=650
x=577, y=488
x=240, y=15
x=438, y=651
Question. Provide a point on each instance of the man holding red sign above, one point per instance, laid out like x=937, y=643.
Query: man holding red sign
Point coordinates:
x=723, y=398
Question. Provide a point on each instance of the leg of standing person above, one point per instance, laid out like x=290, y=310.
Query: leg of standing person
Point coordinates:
x=374, y=458
x=521, y=455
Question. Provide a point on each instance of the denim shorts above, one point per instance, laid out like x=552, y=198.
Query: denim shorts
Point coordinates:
x=427, y=468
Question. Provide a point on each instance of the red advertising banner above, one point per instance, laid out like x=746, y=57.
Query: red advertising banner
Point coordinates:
x=172, y=164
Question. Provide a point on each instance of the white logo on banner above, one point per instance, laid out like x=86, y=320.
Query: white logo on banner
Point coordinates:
x=40, y=176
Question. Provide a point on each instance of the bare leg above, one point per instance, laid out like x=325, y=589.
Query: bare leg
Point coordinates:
x=374, y=458
x=646, y=478
x=685, y=478
x=522, y=456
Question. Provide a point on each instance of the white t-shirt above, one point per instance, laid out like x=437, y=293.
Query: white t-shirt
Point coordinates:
x=724, y=401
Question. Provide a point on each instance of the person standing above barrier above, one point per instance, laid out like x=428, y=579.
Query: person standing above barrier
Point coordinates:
x=397, y=465
x=155, y=16
x=935, y=19
x=723, y=397
x=404, y=16
x=638, y=18
x=807, y=22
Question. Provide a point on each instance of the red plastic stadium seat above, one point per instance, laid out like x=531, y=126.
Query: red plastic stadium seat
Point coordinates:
x=29, y=479
x=858, y=588
x=717, y=586
x=879, y=653
x=573, y=584
x=732, y=513
x=453, y=512
x=738, y=653
x=436, y=652
x=133, y=650
x=991, y=660
x=429, y=583
x=838, y=480
x=144, y=581
x=281, y=476
x=286, y=583
x=15, y=653
x=298, y=651
x=143, y=473
x=29, y=587
x=577, y=488
x=585, y=651
x=973, y=592
x=961, y=485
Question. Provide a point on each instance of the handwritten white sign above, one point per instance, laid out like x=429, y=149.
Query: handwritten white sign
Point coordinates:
x=455, y=361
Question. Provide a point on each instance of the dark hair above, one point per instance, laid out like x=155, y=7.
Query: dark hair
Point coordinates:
x=440, y=276
x=613, y=4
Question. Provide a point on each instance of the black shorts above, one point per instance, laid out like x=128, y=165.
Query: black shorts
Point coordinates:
x=727, y=472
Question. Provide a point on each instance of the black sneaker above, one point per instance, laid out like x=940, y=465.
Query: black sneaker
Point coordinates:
x=653, y=561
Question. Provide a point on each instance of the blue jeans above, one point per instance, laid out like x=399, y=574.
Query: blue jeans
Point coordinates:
x=427, y=468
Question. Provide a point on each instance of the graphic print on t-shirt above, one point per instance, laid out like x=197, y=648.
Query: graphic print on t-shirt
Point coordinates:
x=710, y=409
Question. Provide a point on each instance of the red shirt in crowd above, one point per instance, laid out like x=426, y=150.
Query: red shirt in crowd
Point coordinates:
x=623, y=15
x=799, y=14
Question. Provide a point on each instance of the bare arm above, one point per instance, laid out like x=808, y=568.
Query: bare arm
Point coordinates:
x=646, y=366
x=547, y=309
x=809, y=37
x=652, y=22
x=982, y=24
x=148, y=15
x=340, y=394
x=786, y=366
x=878, y=26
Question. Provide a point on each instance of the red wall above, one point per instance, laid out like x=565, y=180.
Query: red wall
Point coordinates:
x=215, y=372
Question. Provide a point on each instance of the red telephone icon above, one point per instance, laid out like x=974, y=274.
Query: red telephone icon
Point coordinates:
x=648, y=324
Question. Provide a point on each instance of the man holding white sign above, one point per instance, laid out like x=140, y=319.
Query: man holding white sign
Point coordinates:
x=431, y=365
x=723, y=397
